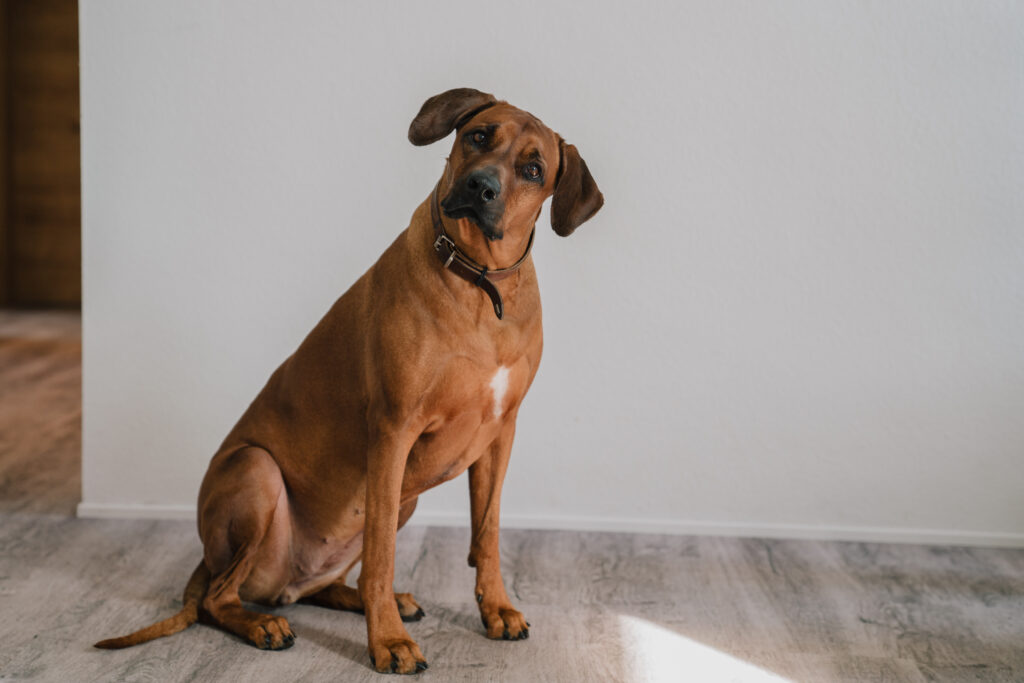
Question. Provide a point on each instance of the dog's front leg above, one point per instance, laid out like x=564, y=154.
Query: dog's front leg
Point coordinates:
x=486, y=475
x=391, y=648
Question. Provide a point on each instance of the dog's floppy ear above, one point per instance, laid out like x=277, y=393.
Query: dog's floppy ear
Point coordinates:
x=576, y=197
x=443, y=113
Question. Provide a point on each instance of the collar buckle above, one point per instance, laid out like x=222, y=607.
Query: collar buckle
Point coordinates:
x=444, y=241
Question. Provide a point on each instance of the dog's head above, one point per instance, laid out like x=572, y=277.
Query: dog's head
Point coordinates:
x=504, y=164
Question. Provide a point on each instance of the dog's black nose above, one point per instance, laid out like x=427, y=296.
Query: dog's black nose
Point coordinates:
x=483, y=184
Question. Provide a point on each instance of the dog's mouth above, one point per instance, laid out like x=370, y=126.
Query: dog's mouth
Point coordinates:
x=456, y=211
x=463, y=211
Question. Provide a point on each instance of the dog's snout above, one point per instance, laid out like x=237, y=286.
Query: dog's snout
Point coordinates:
x=477, y=196
x=484, y=185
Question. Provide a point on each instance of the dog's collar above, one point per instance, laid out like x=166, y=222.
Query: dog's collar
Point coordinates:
x=456, y=260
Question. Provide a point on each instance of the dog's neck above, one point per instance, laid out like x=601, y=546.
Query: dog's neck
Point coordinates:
x=494, y=254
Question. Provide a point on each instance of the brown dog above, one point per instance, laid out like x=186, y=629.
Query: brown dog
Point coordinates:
x=416, y=373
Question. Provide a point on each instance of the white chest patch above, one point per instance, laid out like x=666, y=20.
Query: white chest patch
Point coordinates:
x=499, y=385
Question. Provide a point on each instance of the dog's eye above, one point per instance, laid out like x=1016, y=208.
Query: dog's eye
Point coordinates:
x=532, y=171
x=479, y=138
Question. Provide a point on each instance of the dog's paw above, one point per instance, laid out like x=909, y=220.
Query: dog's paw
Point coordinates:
x=504, y=623
x=408, y=608
x=400, y=656
x=270, y=633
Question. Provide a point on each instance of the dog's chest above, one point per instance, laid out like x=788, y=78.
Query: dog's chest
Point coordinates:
x=473, y=404
x=485, y=394
x=498, y=387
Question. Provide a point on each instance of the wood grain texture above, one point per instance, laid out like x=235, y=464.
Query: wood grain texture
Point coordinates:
x=804, y=611
x=42, y=263
x=5, y=200
x=40, y=411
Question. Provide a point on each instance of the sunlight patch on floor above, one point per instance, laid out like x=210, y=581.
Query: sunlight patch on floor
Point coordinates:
x=655, y=654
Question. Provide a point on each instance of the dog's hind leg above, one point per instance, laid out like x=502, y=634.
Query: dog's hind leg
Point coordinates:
x=244, y=523
x=343, y=597
x=340, y=596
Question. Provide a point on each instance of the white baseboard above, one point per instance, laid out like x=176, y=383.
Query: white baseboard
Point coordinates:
x=738, y=529
x=135, y=511
x=635, y=525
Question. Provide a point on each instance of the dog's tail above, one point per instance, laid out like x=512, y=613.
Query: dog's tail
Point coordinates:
x=189, y=614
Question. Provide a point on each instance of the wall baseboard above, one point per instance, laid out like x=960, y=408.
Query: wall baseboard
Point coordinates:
x=997, y=539
x=865, y=534
x=135, y=511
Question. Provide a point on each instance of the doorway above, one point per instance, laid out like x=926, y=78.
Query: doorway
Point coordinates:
x=40, y=220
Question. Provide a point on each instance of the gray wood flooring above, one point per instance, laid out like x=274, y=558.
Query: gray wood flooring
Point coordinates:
x=604, y=607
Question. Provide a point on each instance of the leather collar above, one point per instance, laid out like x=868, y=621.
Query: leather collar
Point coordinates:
x=456, y=260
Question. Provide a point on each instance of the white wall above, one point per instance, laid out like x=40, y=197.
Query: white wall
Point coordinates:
x=801, y=312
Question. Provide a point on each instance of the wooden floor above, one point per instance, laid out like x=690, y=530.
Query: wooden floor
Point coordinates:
x=40, y=412
x=604, y=607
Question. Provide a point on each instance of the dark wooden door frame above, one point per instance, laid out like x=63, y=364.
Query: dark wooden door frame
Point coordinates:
x=40, y=152
x=5, y=208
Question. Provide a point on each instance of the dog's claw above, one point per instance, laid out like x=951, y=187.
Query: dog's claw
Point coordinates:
x=422, y=666
x=394, y=663
x=505, y=635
